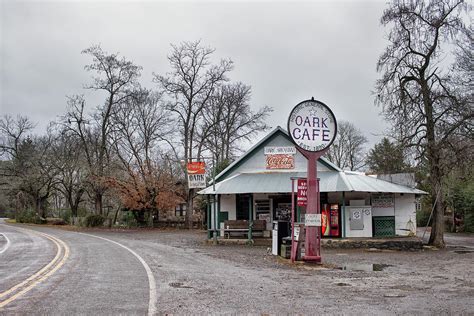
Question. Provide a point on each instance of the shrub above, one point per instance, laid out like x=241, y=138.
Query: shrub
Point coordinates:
x=422, y=217
x=94, y=220
x=55, y=221
x=28, y=217
x=10, y=214
x=66, y=215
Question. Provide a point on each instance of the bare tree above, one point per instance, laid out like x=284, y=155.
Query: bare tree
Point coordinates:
x=69, y=161
x=416, y=91
x=348, y=150
x=117, y=77
x=190, y=85
x=29, y=168
x=139, y=125
x=228, y=120
x=13, y=132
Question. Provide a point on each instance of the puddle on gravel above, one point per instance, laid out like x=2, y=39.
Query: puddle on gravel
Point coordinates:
x=180, y=285
x=463, y=251
x=364, y=266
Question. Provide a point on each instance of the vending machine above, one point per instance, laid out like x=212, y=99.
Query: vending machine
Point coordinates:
x=330, y=220
x=325, y=220
x=334, y=220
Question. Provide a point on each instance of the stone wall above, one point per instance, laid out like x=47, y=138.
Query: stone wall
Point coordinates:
x=392, y=244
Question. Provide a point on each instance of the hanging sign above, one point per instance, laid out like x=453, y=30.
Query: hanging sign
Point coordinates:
x=196, y=174
x=312, y=220
x=312, y=126
x=302, y=192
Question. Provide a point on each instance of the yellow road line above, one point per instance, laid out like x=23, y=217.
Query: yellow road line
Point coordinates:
x=39, y=273
x=42, y=274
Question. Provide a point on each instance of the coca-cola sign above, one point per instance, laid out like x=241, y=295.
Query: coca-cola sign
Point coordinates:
x=280, y=161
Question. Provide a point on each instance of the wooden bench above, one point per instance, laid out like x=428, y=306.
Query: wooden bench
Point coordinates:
x=241, y=227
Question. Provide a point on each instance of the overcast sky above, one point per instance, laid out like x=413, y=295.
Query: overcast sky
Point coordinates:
x=287, y=51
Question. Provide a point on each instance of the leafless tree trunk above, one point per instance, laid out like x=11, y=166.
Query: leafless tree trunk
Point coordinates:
x=139, y=125
x=228, y=119
x=71, y=169
x=29, y=168
x=117, y=77
x=190, y=85
x=417, y=95
x=348, y=150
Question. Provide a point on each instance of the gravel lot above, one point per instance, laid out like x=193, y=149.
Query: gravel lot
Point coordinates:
x=194, y=277
x=199, y=277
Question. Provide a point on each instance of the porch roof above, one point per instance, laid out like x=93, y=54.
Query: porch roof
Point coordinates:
x=330, y=181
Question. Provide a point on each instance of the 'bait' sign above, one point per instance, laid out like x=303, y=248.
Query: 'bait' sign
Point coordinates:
x=196, y=175
x=312, y=126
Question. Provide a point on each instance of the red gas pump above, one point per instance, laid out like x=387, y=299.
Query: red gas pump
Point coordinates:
x=334, y=221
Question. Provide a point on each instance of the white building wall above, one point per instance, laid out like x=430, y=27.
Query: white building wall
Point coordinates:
x=405, y=214
x=357, y=196
x=228, y=205
x=367, y=220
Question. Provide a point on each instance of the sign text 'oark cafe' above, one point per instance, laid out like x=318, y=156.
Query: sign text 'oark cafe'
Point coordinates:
x=284, y=189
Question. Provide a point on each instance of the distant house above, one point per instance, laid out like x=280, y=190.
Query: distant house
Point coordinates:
x=258, y=186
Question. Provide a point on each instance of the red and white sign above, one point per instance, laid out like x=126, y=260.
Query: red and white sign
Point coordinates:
x=280, y=162
x=196, y=174
x=302, y=197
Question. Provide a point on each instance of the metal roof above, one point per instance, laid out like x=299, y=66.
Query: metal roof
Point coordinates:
x=363, y=183
x=335, y=180
x=330, y=181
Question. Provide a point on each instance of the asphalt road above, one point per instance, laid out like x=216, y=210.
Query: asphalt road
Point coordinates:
x=98, y=275
x=174, y=272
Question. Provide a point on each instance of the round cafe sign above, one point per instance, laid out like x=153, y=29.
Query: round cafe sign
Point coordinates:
x=312, y=125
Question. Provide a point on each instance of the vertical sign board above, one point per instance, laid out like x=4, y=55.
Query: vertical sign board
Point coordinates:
x=196, y=175
x=302, y=193
x=312, y=127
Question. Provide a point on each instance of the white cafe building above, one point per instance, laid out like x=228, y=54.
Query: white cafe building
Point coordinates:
x=258, y=186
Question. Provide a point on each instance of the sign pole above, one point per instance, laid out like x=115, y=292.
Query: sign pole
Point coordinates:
x=312, y=126
x=293, y=250
x=313, y=233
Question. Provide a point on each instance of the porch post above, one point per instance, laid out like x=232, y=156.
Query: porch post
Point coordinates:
x=214, y=208
x=250, y=217
x=343, y=215
x=218, y=215
x=208, y=216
